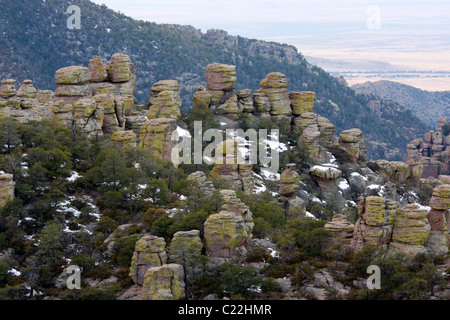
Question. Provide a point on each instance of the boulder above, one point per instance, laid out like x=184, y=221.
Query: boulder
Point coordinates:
x=149, y=252
x=123, y=139
x=73, y=75
x=164, y=283
x=186, y=249
x=411, y=226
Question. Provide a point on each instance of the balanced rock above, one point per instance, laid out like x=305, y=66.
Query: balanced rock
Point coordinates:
x=8, y=88
x=352, y=141
x=149, y=252
x=164, y=283
x=439, y=220
x=27, y=90
x=228, y=234
x=186, y=249
x=326, y=177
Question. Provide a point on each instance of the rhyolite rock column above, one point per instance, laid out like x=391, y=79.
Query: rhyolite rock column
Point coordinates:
x=165, y=101
x=339, y=233
x=438, y=218
x=228, y=234
x=352, y=141
x=221, y=83
x=156, y=135
x=149, y=252
x=375, y=222
x=302, y=102
x=411, y=230
x=275, y=87
x=164, y=283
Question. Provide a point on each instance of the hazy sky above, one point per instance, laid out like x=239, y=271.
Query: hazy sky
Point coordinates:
x=406, y=32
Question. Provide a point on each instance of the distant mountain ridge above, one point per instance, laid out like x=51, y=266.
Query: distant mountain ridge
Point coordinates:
x=35, y=42
x=426, y=105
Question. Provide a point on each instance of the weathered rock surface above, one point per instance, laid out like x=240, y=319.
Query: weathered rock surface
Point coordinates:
x=302, y=102
x=228, y=234
x=149, y=252
x=165, y=101
x=438, y=218
x=156, y=135
x=164, y=283
x=339, y=233
x=353, y=142
x=220, y=77
x=73, y=75
x=375, y=222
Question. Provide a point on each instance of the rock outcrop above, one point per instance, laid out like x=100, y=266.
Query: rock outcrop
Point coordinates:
x=438, y=218
x=165, y=101
x=432, y=152
x=353, y=142
x=228, y=234
x=375, y=223
x=326, y=178
x=339, y=233
x=164, y=283
x=295, y=208
x=149, y=252
x=156, y=135
x=411, y=230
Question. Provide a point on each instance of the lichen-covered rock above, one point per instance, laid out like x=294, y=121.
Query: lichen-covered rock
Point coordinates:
x=326, y=178
x=62, y=112
x=73, y=91
x=149, y=252
x=27, y=90
x=245, y=100
x=261, y=101
x=375, y=222
x=186, y=249
x=302, y=102
x=441, y=198
x=164, y=283
x=201, y=99
x=400, y=171
x=289, y=181
x=123, y=139
x=156, y=135
x=73, y=75
x=228, y=234
x=120, y=68
x=198, y=176
x=353, y=142
x=165, y=105
x=97, y=70
x=89, y=116
x=7, y=186
x=411, y=225
x=275, y=87
x=220, y=77
x=228, y=106
x=8, y=88
x=44, y=96
x=110, y=119
x=339, y=233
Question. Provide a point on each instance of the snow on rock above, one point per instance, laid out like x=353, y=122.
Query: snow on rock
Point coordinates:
x=74, y=176
x=310, y=215
x=274, y=253
x=343, y=185
x=14, y=272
